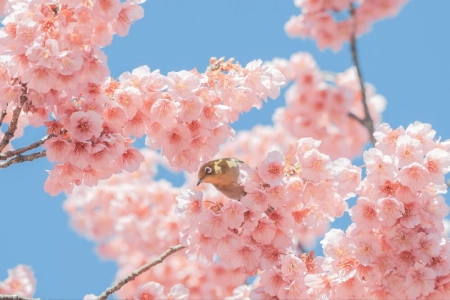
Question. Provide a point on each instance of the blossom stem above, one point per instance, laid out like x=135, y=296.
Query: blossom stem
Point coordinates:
x=367, y=121
x=134, y=274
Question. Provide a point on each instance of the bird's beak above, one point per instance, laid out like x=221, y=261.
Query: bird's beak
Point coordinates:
x=200, y=181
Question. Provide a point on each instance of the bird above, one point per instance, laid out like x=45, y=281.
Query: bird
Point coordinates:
x=223, y=173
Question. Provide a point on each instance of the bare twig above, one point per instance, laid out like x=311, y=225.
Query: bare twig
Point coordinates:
x=23, y=158
x=9, y=134
x=15, y=297
x=134, y=274
x=367, y=121
x=8, y=154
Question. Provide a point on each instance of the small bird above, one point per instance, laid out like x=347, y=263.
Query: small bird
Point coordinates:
x=223, y=173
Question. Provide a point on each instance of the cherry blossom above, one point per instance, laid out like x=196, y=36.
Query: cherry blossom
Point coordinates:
x=20, y=282
x=318, y=105
x=319, y=20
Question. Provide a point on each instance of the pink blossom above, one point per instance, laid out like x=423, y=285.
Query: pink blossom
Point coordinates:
x=401, y=238
x=213, y=225
x=20, y=282
x=228, y=244
x=257, y=199
x=408, y=151
x=189, y=204
x=367, y=248
x=389, y=210
x=68, y=62
x=292, y=267
x=85, y=125
x=57, y=149
x=364, y=213
x=183, y=84
x=107, y=9
x=415, y=176
x=80, y=154
x=190, y=109
x=246, y=256
x=149, y=291
x=130, y=12
x=426, y=247
x=380, y=167
x=271, y=169
x=173, y=140
x=419, y=280
x=264, y=231
x=272, y=281
x=436, y=161
x=129, y=161
x=40, y=79
x=314, y=165
x=100, y=156
x=423, y=133
x=263, y=82
x=178, y=292
x=129, y=99
x=347, y=176
x=233, y=212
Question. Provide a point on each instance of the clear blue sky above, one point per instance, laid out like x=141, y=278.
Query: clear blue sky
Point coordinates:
x=406, y=58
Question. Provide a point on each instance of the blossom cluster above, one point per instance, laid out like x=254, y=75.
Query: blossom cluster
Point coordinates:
x=318, y=105
x=131, y=218
x=185, y=114
x=265, y=139
x=285, y=191
x=20, y=282
x=396, y=247
x=52, y=66
x=324, y=20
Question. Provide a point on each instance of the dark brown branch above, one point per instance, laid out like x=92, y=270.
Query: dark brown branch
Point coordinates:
x=15, y=297
x=134, y=274
x=2, y=117
x=23, y=158
x=9, y=134
x=367, y=121
x=8, y=154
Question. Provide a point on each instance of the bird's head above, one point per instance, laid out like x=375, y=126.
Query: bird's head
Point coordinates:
x=220, y=171
x=207, y=172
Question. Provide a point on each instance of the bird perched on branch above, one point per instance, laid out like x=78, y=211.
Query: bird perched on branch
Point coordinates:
x=223, y=173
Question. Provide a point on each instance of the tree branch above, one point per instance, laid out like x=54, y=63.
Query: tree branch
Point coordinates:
x=134, y=274
x=15, y=297
x=9, y=134
x=367, y=121
x=23, y=158
x=8, y=154
x=2, y=116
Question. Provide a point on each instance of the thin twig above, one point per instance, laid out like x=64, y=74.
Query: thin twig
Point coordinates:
x=15, y=297
x=23, y=158
x=367, y=121
x=9, y=134
x=133, y=275
x=8, y=154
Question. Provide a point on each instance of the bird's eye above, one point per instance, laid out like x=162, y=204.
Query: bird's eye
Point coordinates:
x=208, y=170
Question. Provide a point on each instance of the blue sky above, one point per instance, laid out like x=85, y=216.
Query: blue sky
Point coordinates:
x=406, y=58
